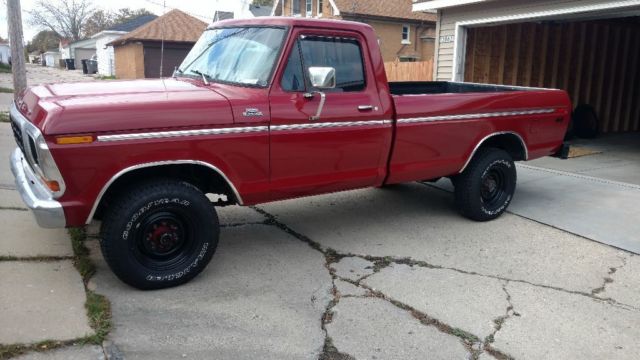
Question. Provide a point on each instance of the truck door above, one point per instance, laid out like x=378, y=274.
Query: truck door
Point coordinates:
x=340, y=144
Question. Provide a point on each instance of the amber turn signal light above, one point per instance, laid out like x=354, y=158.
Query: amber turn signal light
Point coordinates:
x=78, y=139
x=51, y=184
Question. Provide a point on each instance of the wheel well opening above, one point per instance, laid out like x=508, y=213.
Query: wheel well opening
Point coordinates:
x=204, y=178
x=510, y=143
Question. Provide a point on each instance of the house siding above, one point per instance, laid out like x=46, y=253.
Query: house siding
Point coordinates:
x=129, y=61
x=106, y=54
x=448, y=17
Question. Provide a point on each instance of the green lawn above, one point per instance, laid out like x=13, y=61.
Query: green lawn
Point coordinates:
x=4, y=68
x=4, y=116
x=5, y=90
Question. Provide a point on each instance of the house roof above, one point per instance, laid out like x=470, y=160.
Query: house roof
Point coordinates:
x=133, y=23
x=430, y=5
x=84, y=43
x=259, y=10
x=174, y=26
x=397, y=9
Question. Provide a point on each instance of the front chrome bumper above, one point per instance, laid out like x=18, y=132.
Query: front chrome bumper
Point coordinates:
x=47, y=211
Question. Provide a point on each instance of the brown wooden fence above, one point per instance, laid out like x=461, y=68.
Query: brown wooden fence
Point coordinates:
x=409, y=71
x=596, y=62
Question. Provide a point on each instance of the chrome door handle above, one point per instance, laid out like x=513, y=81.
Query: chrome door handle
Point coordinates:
x=365, y=107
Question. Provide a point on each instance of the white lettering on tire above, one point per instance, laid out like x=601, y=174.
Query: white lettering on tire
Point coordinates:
x=144, y=209
x=508, y=200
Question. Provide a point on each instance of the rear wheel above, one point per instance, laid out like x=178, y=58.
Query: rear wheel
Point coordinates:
x=484, y=190
x=159, y=234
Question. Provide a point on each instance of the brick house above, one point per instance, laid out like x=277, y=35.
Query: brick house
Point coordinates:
x=138, y=53
x=404, y=35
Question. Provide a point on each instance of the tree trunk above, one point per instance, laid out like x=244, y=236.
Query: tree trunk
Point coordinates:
x=19, y=72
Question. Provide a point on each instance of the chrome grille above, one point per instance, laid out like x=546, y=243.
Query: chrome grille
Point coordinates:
x=17, y=134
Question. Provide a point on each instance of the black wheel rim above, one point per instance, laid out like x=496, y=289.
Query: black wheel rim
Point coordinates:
x=493, y=190
x=163, y=239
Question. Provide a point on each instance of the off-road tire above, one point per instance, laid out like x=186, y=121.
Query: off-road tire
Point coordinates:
x=159, y=234
x=484, y=190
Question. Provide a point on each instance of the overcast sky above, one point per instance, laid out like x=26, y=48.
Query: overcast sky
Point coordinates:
x=202, y=9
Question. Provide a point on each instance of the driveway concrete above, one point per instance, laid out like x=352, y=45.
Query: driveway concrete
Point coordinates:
x=619, y=159
x=595, y=208
x=263, y=297
x=387, y=274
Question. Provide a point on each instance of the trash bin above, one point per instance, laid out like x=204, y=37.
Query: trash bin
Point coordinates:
x=84, y=66
x=71, y=65
x=92, y=66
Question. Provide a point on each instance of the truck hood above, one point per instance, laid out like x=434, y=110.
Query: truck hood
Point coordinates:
x=113, y=106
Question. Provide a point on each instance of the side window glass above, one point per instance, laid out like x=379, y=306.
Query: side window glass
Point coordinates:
x=342, y=54
x=293, y=78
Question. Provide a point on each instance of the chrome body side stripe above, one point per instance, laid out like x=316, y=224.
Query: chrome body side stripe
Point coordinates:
x=238, y=130
x=325, y=125
x=179, y=133
x=474, y=116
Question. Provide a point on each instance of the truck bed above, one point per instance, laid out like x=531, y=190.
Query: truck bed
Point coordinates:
x=439, y=124
x=447, y=87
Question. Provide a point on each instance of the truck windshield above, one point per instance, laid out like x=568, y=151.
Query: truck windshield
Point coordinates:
x=242, y=55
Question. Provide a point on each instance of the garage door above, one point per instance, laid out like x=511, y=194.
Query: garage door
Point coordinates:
x=173, y=56
x=82, y=54
x=596, y=61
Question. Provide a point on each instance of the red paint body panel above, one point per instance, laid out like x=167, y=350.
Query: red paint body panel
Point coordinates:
x=441, y=148
x=280, y=162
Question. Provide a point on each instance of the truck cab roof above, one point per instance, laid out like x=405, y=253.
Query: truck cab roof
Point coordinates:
x=290, y=22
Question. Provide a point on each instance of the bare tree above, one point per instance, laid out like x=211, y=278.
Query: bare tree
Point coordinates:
x=66, y=17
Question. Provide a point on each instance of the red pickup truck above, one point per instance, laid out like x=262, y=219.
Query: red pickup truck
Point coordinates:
x=262, y=110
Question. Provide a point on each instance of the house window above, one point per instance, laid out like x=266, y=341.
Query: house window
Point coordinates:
x=320, y=6
x=406, y=33
x=295, y=7
x=309, y=8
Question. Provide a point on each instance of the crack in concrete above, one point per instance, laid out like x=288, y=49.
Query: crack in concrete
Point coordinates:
x=232, y=225
x=471, y=342
x=468, y=339
x=331, y=256
x=36, y=258
x=15, y=208
x=498, y=323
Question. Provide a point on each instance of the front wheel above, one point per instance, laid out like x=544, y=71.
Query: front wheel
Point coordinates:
x=484, y=190
x=159, y=234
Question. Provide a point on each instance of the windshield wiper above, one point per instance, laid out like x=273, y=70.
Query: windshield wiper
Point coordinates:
x=203, y=75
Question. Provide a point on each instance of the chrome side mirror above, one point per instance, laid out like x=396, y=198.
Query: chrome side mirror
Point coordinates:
x=322, y=77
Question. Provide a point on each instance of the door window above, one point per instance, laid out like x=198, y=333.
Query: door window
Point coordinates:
x=293, y=77
x=345, y=55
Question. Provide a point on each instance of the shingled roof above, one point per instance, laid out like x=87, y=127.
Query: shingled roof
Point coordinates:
x=133, y=23
x=397, y=9
x=178, y=27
